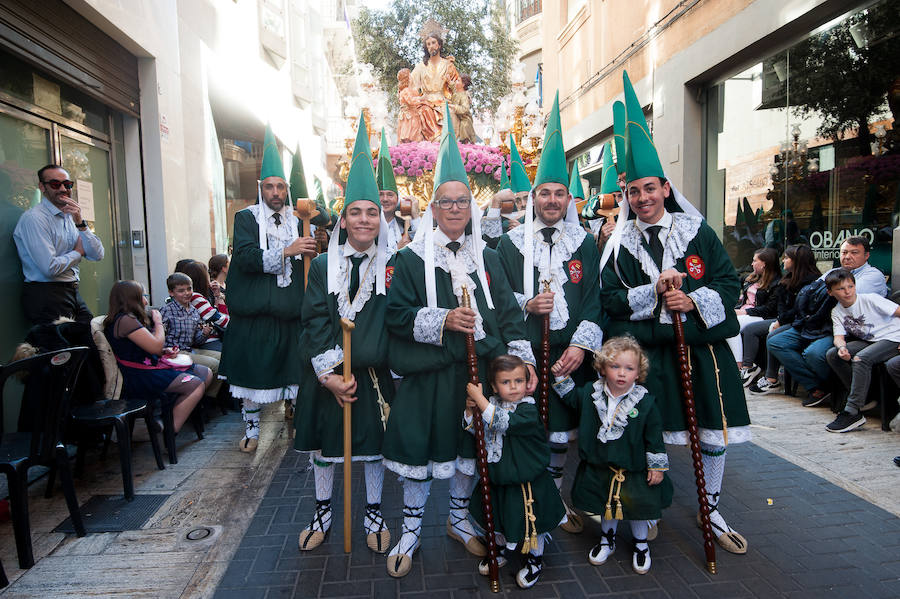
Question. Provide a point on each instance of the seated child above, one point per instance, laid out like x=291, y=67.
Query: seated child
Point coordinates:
x=184, y=326
x=526, y=503
x=873, y=324
x=623, y=459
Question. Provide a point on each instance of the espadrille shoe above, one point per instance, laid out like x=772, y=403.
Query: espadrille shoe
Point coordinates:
x=729, y=540
x=378, y=537
x=574, y=523
x=475, y=545
x=248, y=445
x=314, y=534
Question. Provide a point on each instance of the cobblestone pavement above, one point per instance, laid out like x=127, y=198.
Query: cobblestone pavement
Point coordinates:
x=808, y=538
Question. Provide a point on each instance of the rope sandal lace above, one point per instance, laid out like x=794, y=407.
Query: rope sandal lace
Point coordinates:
x=484, y=567
x=399, y=562
x=600, y=552
x=458, y=527
x=313, y=535
x=729, y=539
x=640, y=559
x=378, y=537
x=528, y=576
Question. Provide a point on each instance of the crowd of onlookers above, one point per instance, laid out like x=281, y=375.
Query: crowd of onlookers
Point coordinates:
x=815, y=326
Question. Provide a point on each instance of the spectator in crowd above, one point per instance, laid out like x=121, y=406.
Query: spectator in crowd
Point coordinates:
x=754, y=305
x=802, y=350
x=799, y=271
x=138, y=342
x=218, y=270
x=866, y=332
x=203, y=299
x=52, y=238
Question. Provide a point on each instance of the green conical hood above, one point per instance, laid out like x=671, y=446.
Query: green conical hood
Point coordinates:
x=641, y=159
x=619, y=136
x=271, y=162
x=449, y=165
x=361, y=180
x=504, y=180
x=384, y=174
x=518, y=176
x=298, y=179
x=608, y=176
x=552, y=167
x=575, y=187
x=323, y=219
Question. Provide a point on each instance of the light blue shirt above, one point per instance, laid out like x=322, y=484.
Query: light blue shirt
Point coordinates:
x=45, y=237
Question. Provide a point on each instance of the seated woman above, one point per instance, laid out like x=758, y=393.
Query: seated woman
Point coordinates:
x=137, y=340
x=204, y=301
x=754, y=306
x=799, y=271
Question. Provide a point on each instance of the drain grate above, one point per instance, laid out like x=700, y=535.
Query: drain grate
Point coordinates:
x=111, y=513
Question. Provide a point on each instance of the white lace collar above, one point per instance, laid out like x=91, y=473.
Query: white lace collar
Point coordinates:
x=346, y=308
x=623, y=410
x=683, y=230
x=493, y=438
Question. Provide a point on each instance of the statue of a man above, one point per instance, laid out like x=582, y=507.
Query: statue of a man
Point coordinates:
x=434, y=78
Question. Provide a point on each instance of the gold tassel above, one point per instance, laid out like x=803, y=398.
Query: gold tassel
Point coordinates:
x=607, y=515
x=530, y=540
x=615, y=488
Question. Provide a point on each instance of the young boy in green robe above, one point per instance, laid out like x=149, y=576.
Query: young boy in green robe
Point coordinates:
x=526, y=503
x=620, y=442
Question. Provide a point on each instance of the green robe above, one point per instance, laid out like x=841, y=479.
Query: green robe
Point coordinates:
x=580, y=273
x=633, y=442
x=523, y=458
x=318, y=418
x=424, y=428
x=261, y=349
x=691, y=247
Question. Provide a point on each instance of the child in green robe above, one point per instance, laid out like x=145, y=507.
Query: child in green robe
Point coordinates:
x=623, y=458
x=525, y=500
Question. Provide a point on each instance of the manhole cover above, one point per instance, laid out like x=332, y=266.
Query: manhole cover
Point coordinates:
x=198, y=533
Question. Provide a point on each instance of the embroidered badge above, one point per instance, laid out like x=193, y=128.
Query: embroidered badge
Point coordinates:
x=487, y=276
x=575, y=271
x=388, y=276
x=633, y=413
x=695, y=266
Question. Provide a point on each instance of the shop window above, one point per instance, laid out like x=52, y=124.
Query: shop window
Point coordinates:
x=803, y=145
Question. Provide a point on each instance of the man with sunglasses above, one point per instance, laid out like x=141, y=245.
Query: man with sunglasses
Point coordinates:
x=52, y=238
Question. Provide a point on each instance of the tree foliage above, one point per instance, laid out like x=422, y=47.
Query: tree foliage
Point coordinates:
x=477, y=39
x=843, y=84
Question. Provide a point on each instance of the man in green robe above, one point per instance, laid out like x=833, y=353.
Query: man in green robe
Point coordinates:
x=516, y=188
x=664, y=261
x=348, y=282
x=261, y=352
x=552, y=249
x=389, y=198
x=424, y=437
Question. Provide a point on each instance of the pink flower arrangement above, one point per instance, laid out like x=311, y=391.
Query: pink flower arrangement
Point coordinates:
x=481, y=162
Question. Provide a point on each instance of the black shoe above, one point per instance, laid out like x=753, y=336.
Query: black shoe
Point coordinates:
x=763, y=386
x=812, y=400
x=844, y=422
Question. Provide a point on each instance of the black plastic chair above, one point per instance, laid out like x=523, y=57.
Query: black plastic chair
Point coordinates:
x=49, y=379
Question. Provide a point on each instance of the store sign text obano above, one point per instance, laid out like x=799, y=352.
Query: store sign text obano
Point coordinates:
x=827, y=246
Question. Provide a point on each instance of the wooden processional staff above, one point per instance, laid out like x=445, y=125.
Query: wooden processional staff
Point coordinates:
x=690, y=415
x=544, y=366
x=347, y=329
x=306, y=210
x=481, y=458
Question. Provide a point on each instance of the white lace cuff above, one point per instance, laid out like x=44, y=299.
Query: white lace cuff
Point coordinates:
x=709, y=306
x=273, y=261
x=522, y=349
x=327, y=361
x=491, y=227
x=563, y=386
x=429, y=325
x=521, y=300
x=642, y=300
x=588, y=336
x=657, y=461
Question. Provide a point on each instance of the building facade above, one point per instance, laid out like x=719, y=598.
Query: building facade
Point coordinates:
x=775, y=117
x=157, y=109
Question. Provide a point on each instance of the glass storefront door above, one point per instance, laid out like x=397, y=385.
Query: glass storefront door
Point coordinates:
x=803, y=144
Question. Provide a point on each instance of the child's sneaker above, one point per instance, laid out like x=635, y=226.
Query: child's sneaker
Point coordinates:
x=484, y=565
x=640, y=559
x=748, y=374
x=844, y=422
x=528, y=576
x=764, y=386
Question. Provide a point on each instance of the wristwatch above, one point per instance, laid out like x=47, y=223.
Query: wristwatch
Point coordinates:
x=82, y=224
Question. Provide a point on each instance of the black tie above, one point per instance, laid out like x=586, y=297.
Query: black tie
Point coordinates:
x=454, y=246
x=354, y=275
x=277, y=218
x=547, y=232
x=656, y=246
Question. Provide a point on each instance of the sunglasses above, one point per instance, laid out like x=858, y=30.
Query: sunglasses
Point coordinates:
x=54, y=184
